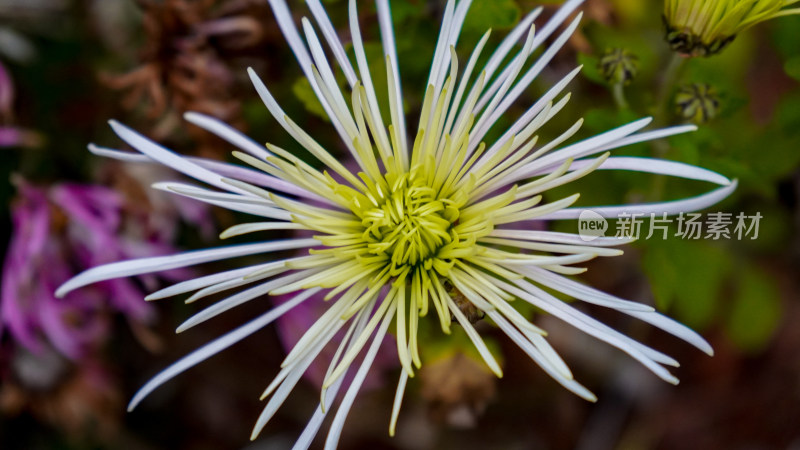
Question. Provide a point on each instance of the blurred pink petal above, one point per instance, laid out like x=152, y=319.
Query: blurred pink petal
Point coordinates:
x=59, y=231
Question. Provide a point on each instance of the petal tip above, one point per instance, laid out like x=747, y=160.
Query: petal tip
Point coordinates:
x=62, y=290
x=193, y=116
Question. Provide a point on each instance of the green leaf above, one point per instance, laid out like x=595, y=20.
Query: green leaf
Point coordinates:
x=686, y=276
x=755, y=312
x=407, y=9
x=784, y=35
x=302, y=89
x=662, y=275
x=702, y=268
x=494, y=14
x=590, y=69
x=438, y=345
x=603, y=119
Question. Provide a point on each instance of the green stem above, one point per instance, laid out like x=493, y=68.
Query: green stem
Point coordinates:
x=666, y=86
x=619, y=96
x=660, y=119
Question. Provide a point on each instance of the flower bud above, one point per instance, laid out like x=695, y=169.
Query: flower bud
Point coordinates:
x=697, y=102
x=618, y=66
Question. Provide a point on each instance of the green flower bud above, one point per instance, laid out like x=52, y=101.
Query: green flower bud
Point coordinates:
x=706, y=27
x=698, y=102
x=618, y=66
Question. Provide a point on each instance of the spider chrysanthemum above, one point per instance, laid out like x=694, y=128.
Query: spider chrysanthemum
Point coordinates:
x=706, y=27
x=433, y=225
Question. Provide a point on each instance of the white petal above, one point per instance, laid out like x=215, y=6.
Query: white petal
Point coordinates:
x=628, y=140
x=307, y=437
x=536, y=355
x=161, y=263
x=398, y=400
x=389, y=49
x=267, y=270
x=584, y=147
x=659, y=166
x=224, y=169
x=473, y=335
x=552, y=248
x=507, y=78
x=587, y=324
x=324, y=22
x=347, y=402
x=199, y=283
x=558, y=18
x=535, y=260
x=313, y=425
x=561, y=238
x=233, y=202
x=450, y=31
x=548, y=352
x=228, y=133
x=290, y=381
x=366, y=79
x=216, y=346
x=528, y=78
x=202, y=194
x=240, y=298
x=648, y=136
x=246, y=228
x=279, y=115
x=674, y=328
x=582, y=292
x=508, y=42
x=286, y=24
x=170, y=159
x=455, y=106
x=119, y=155
x=269, y=101
x=529, y=115
x=441, y=55
x=338, y=104
x=670, y=208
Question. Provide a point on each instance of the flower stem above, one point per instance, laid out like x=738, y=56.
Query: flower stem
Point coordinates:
x=660, y=118
x=619, y=96
x=666, y=85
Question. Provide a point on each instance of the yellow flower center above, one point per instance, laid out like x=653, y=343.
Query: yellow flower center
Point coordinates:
x=410, y=225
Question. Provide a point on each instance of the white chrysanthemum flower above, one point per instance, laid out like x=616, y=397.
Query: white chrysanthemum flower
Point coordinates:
x=424, y=227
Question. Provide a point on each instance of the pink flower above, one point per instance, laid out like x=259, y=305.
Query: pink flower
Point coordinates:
x=59, y=231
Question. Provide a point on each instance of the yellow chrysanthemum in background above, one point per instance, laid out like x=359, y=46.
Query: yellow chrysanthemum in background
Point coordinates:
x=705, y=27
x=432, y=220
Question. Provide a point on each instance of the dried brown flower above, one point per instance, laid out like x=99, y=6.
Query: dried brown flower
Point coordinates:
x=457, y=389
x=188, y=61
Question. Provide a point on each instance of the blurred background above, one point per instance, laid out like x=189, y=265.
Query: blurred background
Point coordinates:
x=69, y=366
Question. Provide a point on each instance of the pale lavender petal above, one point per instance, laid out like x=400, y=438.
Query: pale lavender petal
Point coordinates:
x=645, y=209
x=161, y=263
